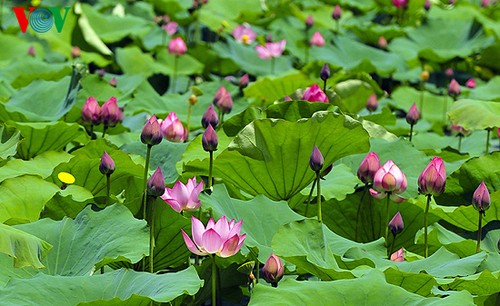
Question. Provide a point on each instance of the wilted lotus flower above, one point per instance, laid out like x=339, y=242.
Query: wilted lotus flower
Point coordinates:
x=222, y=238
x=171, y=27
x=273, y=270
x=314, y=94
x=209, y=140
x=413, y=115
x=76, y=52
x=382, y=42
x=317, y=40
x=151, y=132
x=31, y=51
x=454, y=88
x=107, y=165
x=481, y=198
x=316, y=161
x=156, y=183
x=172, y=128
x=427, y=5
x=183, y=197
x=244, y=34
x=398, y=256
x=368, y=167
x=223, y=100
x=337, y=12
x=177, y=46
x=324, y=74
x=309, y=22
x=244, y=80
x=389, y=179
x=471, y=83
x=91, y=111
x=400, y=3
x=372, y=103
x=396, y=224
x=433, y=179
x=271, y=49
x=111, y=113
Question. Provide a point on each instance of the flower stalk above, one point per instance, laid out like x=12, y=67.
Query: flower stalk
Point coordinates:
x=145, y=183
x=426, y=222
x=358, y=214
x=387, y=215
x=318, y=195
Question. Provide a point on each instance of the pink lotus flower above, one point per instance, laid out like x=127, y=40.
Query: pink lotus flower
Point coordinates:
x=183, y=197
x=113, y=82
x=427, y=5
x=314, y=94
x=273, y=270
x=400, y=3
x=171, y=27
x=244, y=34
x=111, y=113
x=309, y=21
x=372, y=103
x=413, y=114
x=317, y=40
x=151, y=132
x=337, y=12
x=382, y=42
x=368, y=167
x=389, y=179
x=398, y=256
x=177, y=46
x=433, y=179
x=471, y=83
x=107, y=164
x=396, y=224
x=459, y=130
x=481, y=198
x=172, y=128
x=454, y=88
x=316, y=161
x=223, y=100
x=31, y=51
x=271, y=49
x=222, y=238
x=91, y=111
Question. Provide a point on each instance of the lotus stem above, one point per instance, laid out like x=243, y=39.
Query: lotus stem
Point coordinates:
x=174, y=77
x=210, y=170
x=214, y=281
x=479, y=231
x=318, y=193
x=488, y=140
x=104, y=130
x=460, y=136
x=391, y=248
x=387, y=218
x=426, y=222
x=272, y=64
x=102, y=270
x=445, y=108
x=421, y=100
x=306, y=50
x=190, y=108
x=358, y=214
x=145, y=184
x=108, y=187
x=257, y=272
x=411, y=131
x=151, y=235
x=309, y=197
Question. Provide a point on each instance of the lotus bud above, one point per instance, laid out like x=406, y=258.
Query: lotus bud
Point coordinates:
x=372, y=103
x=481, y=198
x=170, y=27
x=101, y=72
x=309, y=22
x=471, y=83
x=177, y=46
x=210, y=141
x=244, y=80
x=76, y=52
x=107, y=165
x=424, y=75
x=316, y=160
x=432, y=180
x=273, y=270
x=449, y=72
x=269, y=37
x=317, y=40
x=113, y=82
x=210, y=118
x=156, y=184
x=396, y=224
x=111, y=113
x=427, y=5
x=223, y=100
x=485, y=3
x=151, y=132
x=368, y=167
x=172, y=128
x=459, y=130
x=337, y=12
x=31, y=51
x=454, y=88
x=91, y=111
x=389, y=179
x=413, y=115
x=314, y=94
x=287, y=98
x=324, y=74
x=398, y=256
x=382, y=42
x=193, y=99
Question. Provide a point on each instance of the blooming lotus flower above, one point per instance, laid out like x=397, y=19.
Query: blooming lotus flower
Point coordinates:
x=209, y=140
x=398, y=256
x=454, y=88
x=324, y=74
x=389, y=179
x=471, y=83
x=317, y=40
x=223, y=100
x=271, y=49
x=481, y=198
x=314, y=94
x=222, y=238
x=368, y=167
x=337, y=12
x=309, y=21
x=273, y=270
x=171, y=27
x=382, y=42
x=107, y=164
x=183, y=197
x=111, y=113
x=210, y=118
x=372, y=103
x=316, y=160
x=156, y=183
x=433, y=179
x=396, y=224
x=177, y=46
x=172, y=128
x=413, y=115
x=244, y=34
x=91, y=111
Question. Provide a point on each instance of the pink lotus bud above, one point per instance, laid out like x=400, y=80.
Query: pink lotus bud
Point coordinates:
x=382, y=42
x=151, y=132
x=31, y=51
x=287, y=98
x=210, y=118
x=244, y=80
x=314, y=94
x=309, y=22
x=101, y=72
x=113, y=82
x=244, y=34
x=458, y=130
x=271, y=49
x=471, y=83
x=183, y=197
x=449, y=72
x=427, y=5
x=273, y=270
x=223, y=100
x=485, y=3
x=317, y=40
x=177, y=46
x=368, y=167
x=107, y=165
x=400, y=4
x=324, y=74
x=170, y=27
x=269, y=37
x=316, y=161
x=396, y=224
x=454, y=88
x=91, y=111
x=413, y=115
x=156, y=184
x=111, y=113
x=210, y=141
x=337, y=12
x=398, y=256
x=433, y=179
x=389, y=179
x=372, y=103
x=172, y=128
x=481, y=198
x=76, y=52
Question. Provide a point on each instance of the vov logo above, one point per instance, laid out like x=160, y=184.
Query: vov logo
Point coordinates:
x=41, y=19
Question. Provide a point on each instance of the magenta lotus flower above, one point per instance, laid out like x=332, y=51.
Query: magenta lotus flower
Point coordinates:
x=273, y=270
x=309, y=21
x=459, y=130
x=222, y=238
x=172, y=128
x=433, y=179
x=156, y=184
x=271, y=49
x=427, y=5
x=244, y=34
x=481, y=198
x=171, y=27
x=372, y=103
x=111, y=113
x=337, y=12
x=209, y=140
x=316, y=161
x=209, y=117
x=31, y=51
x=107, y=164
x=244, y=80
x=413, y=115
x=91, y=111
x=317, y=40
x=177, y=46
x=368, y=167
x=400, y=3
x=113, y=82
x=454, y=88
x=314, y=94
x=324, y=73
x=389, y=179
x=223, y=100
x=151, y=132
x=396, y=224
x=398, y=256
x=471, y=83
x=183, y=197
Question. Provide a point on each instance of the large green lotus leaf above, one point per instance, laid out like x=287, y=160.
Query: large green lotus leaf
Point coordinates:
x=267, y=90
x=23, y=198
x=120, y=287
x=489, y=54
x=24, y=248
x=215, y=13
x=133, y=61
x=8, y=143
x=482, y=284
x=271, y=157
x=84, y=167
x=338, y=183
x=186, y=64
x=353, y=95
x=440, y=40
x=39, y=137
x=69, y=202
x=294, y=110
x=489, y=91
x=369, y=289
x=100, y=89
x=22, y=73
x=439, y=236
x=385, y=117
x=475, y=114
x=236, y=123
x=261, y=217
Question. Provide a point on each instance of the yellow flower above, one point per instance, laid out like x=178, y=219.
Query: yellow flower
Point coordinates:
x=66, y=178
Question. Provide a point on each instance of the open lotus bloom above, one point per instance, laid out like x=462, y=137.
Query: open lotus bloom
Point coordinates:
x=244, y=34
x=271, y=49
x=398, y=256
x=183, y=197
x=314, y=94
x=222, y=238
x=389, y=179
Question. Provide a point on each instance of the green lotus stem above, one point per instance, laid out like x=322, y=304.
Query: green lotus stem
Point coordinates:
x=104, y=130
x=257, y=272
x=391, y=248
x=214, y=281
x=488, y=140
x=102, y=270
x=387, y=218
x=318, y=194
x=272, y=64
x=337, y=24
x=151, y=235
x=422, y=100
x=479, y=230
x=145, y=184
x=306, y=51
x=411, y=131
x=358, y=214
x=426, y=221
x=190, y=108
x=445, y=108
x=174, y=77
x=210, y=169
x=108, y=187
x=460, y=141
x=309, y=197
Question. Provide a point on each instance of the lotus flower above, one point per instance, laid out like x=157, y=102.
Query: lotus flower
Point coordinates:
x=172, y=128
x=372, y=103
x=314, y=94
x=31, y=51
x=427, y=5
x=223, y=100
x=389, y=179
x=171, y=27
x=413, y=115
x=396, y=224
x=244, y=34
x=209, y=140
x=244, y=80
x=400, y=3
x=271, y=49
x=324, y=74
x=454, y=88
x=156, y=183
x=273, y=270
x=151, y=132
x=316, y=160
x=459, y=130
x=471, y=83
x=210, y=118
x=177, y=46
x=76, y=52
x=222, y=238
x=398, y=256
x=337, y=12
x=382, y=42
x=309, y=21
x=368, y=167
x=111, y=113
x=481, y=198
x=317, y=40
x=433, y=179
x=107, y=164
x=113, y=82
x=183, y=197
x=91, y=111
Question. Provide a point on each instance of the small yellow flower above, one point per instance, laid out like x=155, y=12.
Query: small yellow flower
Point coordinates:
x=66, y=178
